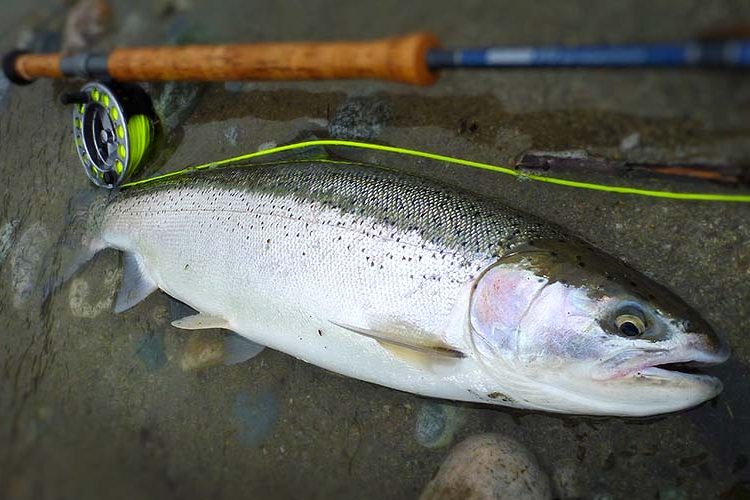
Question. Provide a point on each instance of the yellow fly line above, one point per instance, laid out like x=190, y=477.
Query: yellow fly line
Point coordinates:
x=744, y=198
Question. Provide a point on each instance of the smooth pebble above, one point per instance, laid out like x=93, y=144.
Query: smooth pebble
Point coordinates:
x=26, y=260
x=255, y=416
x=437, y=424
x=489, y=466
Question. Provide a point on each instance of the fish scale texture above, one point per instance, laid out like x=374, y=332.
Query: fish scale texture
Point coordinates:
x=328, y=238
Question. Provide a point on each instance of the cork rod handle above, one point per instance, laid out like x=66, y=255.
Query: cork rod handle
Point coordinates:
x=400, y=59
x=33, y=66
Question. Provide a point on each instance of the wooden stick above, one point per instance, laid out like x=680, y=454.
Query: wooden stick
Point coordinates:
x=726, y=173
x=399, y=59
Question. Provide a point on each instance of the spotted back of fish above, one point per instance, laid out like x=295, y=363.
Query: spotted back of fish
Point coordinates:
x=442, y=215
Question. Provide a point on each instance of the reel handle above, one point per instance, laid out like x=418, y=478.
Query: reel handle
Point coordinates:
x=400, y=59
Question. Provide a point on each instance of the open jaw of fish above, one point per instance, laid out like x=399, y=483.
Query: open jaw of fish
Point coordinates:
x=662, y=365
x=680, y=370
x=406, y=283
x=632, y=383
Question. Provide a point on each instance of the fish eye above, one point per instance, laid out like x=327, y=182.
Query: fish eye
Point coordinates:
x=630, y=323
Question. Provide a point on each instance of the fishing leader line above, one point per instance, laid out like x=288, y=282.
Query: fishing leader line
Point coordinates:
x=675, y=195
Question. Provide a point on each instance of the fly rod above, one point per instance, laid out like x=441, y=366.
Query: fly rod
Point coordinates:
x=414, y=59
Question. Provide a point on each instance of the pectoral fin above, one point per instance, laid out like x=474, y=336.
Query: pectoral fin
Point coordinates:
x=407, y=346
x=200, y=322
x=136, y=283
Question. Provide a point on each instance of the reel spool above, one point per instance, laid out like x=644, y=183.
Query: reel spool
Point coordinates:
x=113, y=126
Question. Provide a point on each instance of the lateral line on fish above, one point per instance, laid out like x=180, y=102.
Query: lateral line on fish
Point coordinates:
x=653, y=193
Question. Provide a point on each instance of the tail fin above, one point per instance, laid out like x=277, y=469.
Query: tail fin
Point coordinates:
x=79, y=241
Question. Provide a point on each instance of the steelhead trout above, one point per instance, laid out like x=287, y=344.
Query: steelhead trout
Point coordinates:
x=407, y=283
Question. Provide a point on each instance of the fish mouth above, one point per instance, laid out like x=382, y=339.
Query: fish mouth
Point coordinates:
x=664, y=366
x=690, y=373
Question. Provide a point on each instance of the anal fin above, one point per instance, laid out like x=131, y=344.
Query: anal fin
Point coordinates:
x=136, y=283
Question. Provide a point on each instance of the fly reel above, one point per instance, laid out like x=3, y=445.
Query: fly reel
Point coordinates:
x=113, y=126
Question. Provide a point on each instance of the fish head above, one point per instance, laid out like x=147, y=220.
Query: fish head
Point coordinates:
x=581, y=332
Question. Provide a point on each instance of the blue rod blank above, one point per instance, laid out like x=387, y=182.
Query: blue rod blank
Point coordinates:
x=730, y=54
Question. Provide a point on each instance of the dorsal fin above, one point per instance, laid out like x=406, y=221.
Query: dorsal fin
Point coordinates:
x=312, y=152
